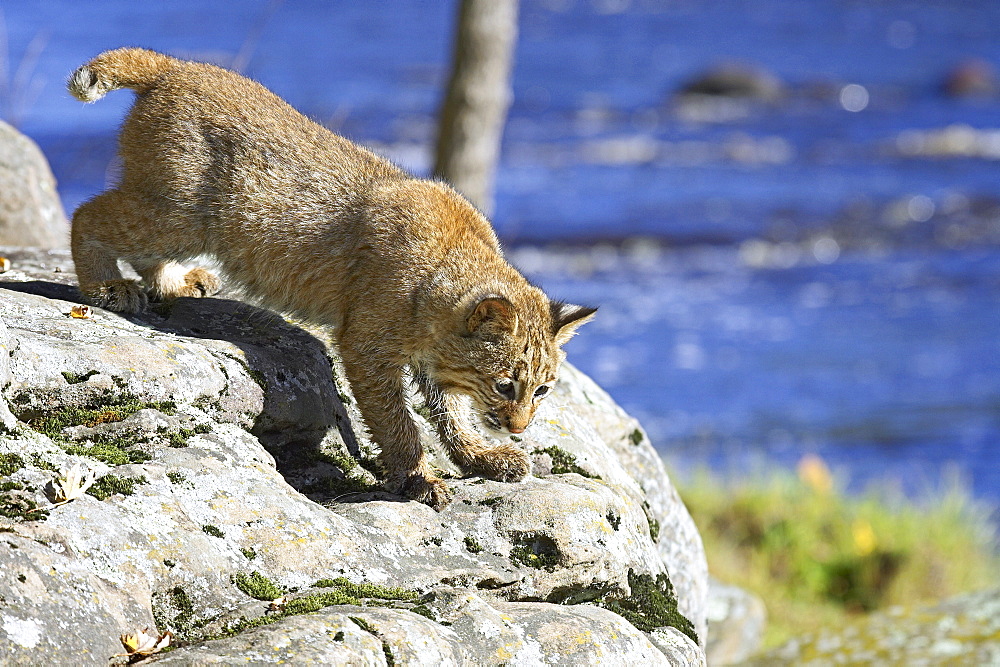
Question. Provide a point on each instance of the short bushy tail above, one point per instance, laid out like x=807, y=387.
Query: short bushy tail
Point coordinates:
x=131, y=68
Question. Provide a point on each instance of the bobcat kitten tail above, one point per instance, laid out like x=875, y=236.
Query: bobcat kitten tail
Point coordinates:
x=137, y=69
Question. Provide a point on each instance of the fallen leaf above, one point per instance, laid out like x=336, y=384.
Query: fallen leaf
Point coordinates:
x=143, y=643
x=80, y=312
x=70, y=485
x=4, y=265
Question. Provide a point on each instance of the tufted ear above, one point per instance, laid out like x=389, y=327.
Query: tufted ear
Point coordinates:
x=566, y=318
x=494, y=314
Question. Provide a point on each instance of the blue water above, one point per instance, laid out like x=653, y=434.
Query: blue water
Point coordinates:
x=865, y=329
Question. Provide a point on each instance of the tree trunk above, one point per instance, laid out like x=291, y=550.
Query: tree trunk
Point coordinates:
x=478, y=96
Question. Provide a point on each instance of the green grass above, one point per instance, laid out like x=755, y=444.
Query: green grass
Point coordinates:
x=818, y=557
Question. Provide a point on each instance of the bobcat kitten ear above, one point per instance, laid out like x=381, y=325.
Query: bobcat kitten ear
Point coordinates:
x=566, y=318
x=492, y=313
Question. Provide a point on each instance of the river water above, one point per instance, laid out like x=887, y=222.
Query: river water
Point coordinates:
x=817, y=273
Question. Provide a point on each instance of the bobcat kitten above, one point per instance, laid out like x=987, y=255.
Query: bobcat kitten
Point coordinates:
x=405, y=271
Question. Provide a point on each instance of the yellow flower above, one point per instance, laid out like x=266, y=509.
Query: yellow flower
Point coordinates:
x=864, y=537
x=70, y=485
x=813, y=471
x=143, y=643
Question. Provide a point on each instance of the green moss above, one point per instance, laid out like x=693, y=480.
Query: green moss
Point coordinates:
x=255, y=375
x=564, y=462
x=363, y=624
x=345, y=462
x=249, y=554
x=112, y=452
x=37, y=461
x=259, y=378
x=654, y=528
x=651, y=604
x=343, y=592
x=22, y=578
x=339, y=637
x=423, y=410
x=489, y=502
x=636, y=437
x=103, y=410
x=472, y=545
x=174, y=610
x=108, y=485
x=334, y=487
x=437, y=541
x=10, y=463
x=15, y=506
x=357, y=591
x=182, y=603
x=176, y=477
x=204, y=402
x=614, y=520
x=202, y=428
x=257, y=586
x=180, y=438
x=75, y=378
x=214, y=531
x=168, y=562
x=536, y=551
x=424, y=611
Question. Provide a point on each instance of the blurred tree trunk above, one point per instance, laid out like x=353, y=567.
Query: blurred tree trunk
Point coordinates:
x=478, y=96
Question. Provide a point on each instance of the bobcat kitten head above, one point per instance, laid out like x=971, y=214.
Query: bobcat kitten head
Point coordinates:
x=508, y=358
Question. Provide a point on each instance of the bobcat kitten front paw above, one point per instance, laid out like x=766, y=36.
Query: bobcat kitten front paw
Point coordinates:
x=421, y=487
x=503, y=463
x=121, y=296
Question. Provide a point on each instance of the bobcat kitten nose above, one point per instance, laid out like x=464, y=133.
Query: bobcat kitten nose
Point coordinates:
x=515, y=430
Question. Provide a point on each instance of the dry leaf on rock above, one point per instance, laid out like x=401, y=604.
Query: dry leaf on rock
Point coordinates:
x=143, y=643
x=70, y=485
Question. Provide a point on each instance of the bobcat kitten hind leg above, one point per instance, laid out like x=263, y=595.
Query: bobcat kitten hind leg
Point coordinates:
x=504, y=462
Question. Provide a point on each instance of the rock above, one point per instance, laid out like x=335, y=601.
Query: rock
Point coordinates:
x=230, y=473
x=964, y=630
x=972, y=78
x=31, y=213
x=727, y=93
x=735, y=80
x=736, y=622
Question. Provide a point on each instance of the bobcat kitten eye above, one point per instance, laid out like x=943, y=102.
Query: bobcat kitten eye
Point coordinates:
x=505, y=388
x=542, y=391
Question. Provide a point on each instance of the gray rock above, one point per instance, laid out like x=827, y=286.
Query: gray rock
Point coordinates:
x=231, y=457
x=31, y=213
x=964, y=630
x=736, y=80
x=736, y=622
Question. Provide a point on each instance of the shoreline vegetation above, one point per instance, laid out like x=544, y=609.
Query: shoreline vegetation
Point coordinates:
x=819, y=557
